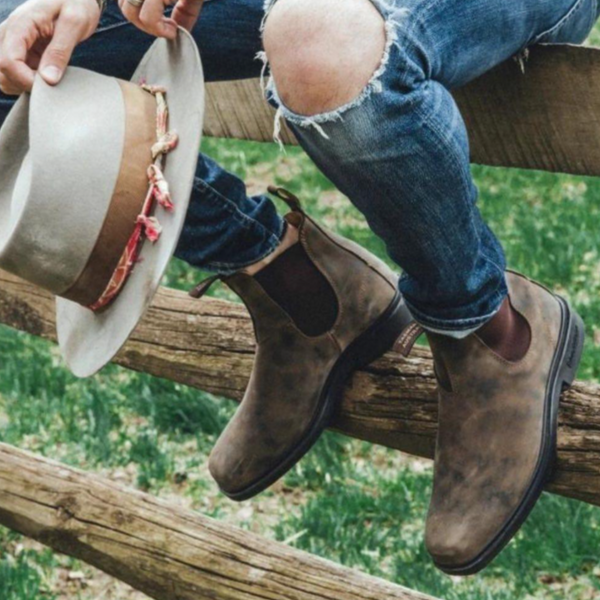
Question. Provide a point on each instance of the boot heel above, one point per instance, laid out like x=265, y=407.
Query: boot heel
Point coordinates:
x=382, y=335
x=574, y=349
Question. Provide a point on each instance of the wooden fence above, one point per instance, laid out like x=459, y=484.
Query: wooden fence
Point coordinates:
x=547, y=117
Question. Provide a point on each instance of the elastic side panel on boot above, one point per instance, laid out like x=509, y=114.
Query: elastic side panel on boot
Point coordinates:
x=301, y=290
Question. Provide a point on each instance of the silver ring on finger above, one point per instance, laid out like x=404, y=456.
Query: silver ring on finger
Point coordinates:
x=135, y=3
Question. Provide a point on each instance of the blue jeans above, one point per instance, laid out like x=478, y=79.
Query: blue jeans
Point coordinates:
x=399, y=152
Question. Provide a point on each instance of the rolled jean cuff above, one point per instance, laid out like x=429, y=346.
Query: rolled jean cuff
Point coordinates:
x=462, y=327
x=225, y=230
x=229, y=268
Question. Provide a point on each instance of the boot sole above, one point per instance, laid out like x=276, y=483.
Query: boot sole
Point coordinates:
x=367, y=347
x=564, y=369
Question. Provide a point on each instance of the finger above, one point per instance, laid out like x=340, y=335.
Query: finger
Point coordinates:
x=33, y=61
x=34, y=56
x=72, y=26
x=186, y=13
x=154, y=21
x=131, y=13
x=13, y=56
x=7, y=88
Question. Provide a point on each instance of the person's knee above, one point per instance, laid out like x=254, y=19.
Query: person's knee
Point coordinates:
x=323, y=53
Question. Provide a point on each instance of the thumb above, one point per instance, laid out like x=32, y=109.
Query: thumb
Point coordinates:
x=70, y=28
x=186, y=13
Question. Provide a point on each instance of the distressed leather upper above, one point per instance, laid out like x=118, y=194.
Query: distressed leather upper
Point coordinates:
x=291, y=368
x=490, y=429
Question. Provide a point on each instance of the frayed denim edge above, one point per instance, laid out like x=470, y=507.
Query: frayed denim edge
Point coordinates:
x=454, y=328
x=391, y=15
x=457, y=335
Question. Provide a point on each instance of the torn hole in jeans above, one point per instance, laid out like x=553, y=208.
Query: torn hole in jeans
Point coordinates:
x=392, y=16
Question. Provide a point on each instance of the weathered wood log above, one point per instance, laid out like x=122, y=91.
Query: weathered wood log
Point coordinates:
x=208, y=344
x=162, y=550
x=545, y=118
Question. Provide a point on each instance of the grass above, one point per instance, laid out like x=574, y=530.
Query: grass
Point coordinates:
x=361, y=505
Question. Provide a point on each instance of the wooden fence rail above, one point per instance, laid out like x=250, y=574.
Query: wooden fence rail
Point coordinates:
x=547, y=117
x=162, y=550
x=208, y=344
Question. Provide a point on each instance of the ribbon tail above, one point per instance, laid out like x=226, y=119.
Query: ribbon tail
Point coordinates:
x=152, y=227
x=160, y=187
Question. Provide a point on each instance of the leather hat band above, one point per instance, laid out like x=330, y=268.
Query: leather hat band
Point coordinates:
x=129, y=221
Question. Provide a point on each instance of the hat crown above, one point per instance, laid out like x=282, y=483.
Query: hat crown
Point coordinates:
x=62, y=148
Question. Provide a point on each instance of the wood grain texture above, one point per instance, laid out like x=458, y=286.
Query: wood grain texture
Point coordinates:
x=162, y=550
x=238, y=110
x=209, y=344
x=545, y=118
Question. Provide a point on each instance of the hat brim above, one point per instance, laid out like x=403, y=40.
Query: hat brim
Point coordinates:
x=88, y=340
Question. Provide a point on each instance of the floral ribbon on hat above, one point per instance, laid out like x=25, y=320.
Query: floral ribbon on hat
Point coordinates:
x=147, y=226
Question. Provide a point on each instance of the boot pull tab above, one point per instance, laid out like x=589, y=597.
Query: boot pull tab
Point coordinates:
x=203, y=287
x=290, y=199
x=406, y=341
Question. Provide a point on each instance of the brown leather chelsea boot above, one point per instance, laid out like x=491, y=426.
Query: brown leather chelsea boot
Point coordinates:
x=322, y=308
x=497, y=429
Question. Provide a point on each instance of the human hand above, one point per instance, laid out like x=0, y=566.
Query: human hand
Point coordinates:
x=40, y=35
x=149, y=16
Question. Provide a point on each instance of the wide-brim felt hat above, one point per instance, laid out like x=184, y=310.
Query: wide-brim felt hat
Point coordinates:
x=80, y=164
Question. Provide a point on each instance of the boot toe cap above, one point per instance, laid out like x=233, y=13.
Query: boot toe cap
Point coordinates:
x=243, y=465
x=455, y=544
x=226, y=470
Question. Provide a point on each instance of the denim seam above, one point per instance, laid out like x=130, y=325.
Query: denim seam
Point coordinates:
x=425, y=117
x=111, y=27
x=492, y=262
x=243, y=220
x=561, y=22
x=122, y=24
x=429, y=122
x=214, y=195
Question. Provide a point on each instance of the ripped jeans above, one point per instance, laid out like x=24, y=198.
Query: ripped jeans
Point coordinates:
x=399, y=151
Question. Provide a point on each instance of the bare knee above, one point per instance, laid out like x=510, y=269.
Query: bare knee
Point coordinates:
x=323, y=52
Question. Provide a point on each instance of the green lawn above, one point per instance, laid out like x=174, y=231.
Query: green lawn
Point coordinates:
x=349, y=501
